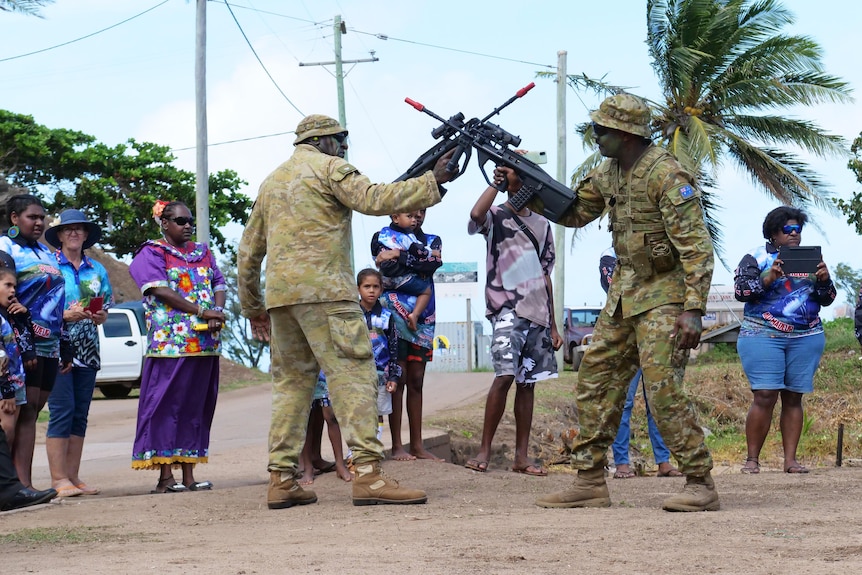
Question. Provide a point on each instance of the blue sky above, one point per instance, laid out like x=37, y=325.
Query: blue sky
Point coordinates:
x=137, y=81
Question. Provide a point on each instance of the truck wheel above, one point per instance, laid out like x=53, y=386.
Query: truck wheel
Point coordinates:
x=115, y=391
x=576, y=360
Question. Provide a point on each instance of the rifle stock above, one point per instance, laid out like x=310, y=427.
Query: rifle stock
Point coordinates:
x=492, y=144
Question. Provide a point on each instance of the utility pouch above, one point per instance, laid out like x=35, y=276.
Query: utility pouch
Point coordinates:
x=661, y=252
x=641, y=265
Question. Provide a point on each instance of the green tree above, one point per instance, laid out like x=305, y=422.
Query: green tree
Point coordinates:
x=237, y=342
x=115, y=185
x=726, y=69
x=847, y=280
x=30, y=7
x=852, y=208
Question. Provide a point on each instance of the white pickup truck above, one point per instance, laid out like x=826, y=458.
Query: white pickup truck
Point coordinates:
x=122, y=340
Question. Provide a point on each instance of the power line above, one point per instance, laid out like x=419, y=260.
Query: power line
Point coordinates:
x=385, y=37
x=259, y=61
x=84, y=37
x=236, y=141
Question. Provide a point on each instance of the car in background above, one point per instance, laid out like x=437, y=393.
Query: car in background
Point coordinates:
x=122, y=342
x=578, y=325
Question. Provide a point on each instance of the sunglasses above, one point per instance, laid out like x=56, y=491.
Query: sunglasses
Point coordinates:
x=790, y=228
x=599, y=130
x=340, y=138
x=182, y=220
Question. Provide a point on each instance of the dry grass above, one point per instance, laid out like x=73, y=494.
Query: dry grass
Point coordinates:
x=719, y=390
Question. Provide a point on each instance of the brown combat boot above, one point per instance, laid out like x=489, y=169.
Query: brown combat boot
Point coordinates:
x=589, y=490
x=699, y=494
x=285, y=492
x=372, y=487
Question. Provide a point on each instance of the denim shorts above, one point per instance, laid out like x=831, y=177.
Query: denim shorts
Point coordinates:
x=69, y=402
x=781, y=363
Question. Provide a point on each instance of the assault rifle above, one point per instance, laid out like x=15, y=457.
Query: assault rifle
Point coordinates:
x=492, y=144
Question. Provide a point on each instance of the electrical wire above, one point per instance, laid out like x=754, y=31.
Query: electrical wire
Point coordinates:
x=259, y=61
x=385, y=37
x=236, y=141
x=84, y=37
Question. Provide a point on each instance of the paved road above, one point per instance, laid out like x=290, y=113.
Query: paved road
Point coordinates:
x=239, y=434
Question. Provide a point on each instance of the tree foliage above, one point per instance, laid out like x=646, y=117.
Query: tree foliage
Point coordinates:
x=852, y=208
x=30, y=7
x=236, y=339
x=726, y=69
x=114, y=185
x=847, y=280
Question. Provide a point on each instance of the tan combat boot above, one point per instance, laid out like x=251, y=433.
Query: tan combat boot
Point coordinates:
x=589, y=490
x=699, y=494
x=372, y=487
x=285, y=492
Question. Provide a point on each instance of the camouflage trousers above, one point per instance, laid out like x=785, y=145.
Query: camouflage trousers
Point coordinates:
x=619, y=346
x=306, y=338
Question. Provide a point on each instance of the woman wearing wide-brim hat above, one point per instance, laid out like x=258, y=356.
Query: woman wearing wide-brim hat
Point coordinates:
x=88, y=295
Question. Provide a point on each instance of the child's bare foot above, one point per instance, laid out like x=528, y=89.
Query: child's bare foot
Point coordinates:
x=424, y=454
x=401, y=455
x=343, y=473
x=307, y=477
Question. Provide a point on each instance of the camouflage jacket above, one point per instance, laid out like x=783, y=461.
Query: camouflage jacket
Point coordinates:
x=301, y=222
x=663, y=248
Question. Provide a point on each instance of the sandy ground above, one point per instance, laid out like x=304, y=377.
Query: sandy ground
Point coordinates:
x=472, y=523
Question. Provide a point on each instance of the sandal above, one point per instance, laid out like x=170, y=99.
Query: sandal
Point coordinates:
x=200, y=486
x=619, y=474
x=169, y=485
x=796, y=468
x=751, y=470
x=477, y=465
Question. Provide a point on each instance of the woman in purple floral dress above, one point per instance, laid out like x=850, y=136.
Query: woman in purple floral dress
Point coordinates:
x=184, y=302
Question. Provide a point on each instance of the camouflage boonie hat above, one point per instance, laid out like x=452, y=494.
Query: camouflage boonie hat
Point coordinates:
x=623, y=112
x=317, y=125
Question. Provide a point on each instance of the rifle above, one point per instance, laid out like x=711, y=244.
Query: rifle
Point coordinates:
x=492, y=144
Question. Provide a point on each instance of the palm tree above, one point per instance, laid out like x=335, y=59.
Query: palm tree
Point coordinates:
x=30, y=7
x=724, y=68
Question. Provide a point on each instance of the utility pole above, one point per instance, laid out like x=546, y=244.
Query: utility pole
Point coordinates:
x=202, y=195
x=560, y=231
x=340, y=29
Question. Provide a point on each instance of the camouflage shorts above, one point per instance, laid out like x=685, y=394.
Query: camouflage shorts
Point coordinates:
x=522, y=348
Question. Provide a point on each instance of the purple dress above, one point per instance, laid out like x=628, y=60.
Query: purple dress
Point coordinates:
x=179, y=384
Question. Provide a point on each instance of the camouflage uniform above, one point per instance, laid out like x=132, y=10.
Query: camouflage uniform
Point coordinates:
x=302, y=222
x=665, y=263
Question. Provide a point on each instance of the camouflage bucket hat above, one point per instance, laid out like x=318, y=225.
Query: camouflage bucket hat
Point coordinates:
x=623, y=112
x=317, y=125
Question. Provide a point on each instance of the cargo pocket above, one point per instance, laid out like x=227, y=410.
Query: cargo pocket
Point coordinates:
x=661, y=252
x=350, y=336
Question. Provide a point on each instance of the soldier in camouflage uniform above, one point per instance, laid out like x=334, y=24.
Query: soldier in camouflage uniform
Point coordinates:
x=652, y=317
x=301, y=222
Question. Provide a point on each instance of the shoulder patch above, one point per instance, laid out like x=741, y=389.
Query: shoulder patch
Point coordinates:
x=682, y=193
x=343, y=171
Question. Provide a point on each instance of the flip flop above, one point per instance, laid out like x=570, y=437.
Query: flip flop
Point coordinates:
x=672, y=472
x=476, y=465
x=625, y=474
x=328, y=468
x=796, y=468
x=175, y=488
x=87, y=490
x=68, y=491
x=531, y=469
x=200, y=486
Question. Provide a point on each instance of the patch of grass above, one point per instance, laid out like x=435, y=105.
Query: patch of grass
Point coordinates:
x=243, y=383
x=69, y=536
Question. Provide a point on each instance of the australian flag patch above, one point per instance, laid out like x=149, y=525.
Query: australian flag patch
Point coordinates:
x=686, y=192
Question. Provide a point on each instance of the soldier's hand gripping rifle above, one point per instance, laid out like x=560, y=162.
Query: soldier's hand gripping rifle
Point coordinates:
x=492, y=144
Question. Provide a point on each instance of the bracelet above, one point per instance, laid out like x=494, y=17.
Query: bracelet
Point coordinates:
x=218, y=308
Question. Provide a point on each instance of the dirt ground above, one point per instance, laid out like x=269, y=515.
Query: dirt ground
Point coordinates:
x=473, y=523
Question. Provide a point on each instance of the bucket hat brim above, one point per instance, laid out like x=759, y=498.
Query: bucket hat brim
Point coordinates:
x=607, y=121
x=73, y=217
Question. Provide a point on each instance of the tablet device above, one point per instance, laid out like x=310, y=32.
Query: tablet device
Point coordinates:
x=95, y=304
x=799, y=259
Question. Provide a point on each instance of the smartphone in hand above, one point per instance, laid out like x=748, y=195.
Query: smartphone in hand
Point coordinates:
x=95, y=304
